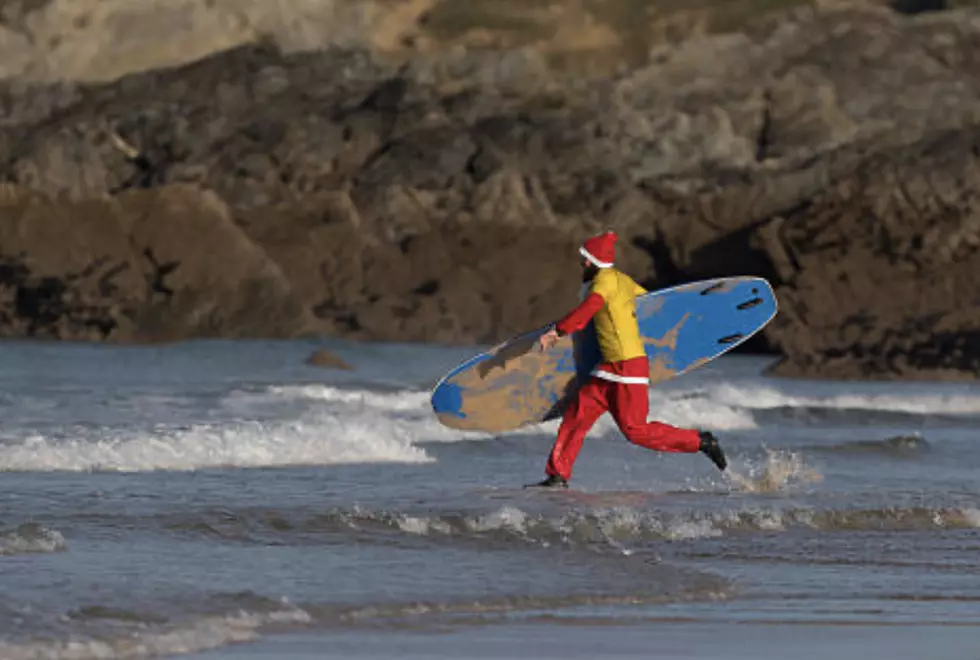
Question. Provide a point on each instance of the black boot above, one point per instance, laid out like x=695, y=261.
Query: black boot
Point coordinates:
x=710, y=446
x=553, y=481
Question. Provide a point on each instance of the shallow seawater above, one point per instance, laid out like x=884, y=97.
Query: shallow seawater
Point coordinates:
x=223, y=499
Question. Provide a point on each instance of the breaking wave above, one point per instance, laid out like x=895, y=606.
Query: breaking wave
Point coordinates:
x=134, y=635
x=611, y=526
x=146, y=642
x=756, y=397
x=629, y=524
x=31, y=539
x=679, y=409
x=621, y=525
x=316, y=424
x=395, y=401
x=316, y=439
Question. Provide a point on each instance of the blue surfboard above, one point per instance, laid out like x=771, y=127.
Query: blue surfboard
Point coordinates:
x=683, y=327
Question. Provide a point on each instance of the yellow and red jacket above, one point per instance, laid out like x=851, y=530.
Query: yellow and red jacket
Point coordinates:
x=610, y=301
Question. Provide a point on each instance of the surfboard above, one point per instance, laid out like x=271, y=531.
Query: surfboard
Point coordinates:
x=513, y=384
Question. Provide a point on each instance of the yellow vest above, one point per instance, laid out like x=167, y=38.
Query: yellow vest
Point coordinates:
x=615, y=324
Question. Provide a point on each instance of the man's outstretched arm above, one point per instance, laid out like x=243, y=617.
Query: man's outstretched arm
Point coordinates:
x=579, y=317
x=574, y=321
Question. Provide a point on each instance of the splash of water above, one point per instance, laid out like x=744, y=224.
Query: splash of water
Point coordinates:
x=780, y=470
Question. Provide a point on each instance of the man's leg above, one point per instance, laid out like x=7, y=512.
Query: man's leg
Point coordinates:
x=629, y=406
x=584, y=409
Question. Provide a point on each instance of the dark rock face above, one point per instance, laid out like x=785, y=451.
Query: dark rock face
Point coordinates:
x=879, y=271
x=144, y=266
x=258, y=194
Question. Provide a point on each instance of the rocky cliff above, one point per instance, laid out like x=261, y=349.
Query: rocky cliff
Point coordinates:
x=429, y=179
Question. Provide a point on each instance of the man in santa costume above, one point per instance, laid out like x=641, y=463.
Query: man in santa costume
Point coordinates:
x=619, y=383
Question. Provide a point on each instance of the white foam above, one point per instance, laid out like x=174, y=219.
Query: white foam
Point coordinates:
x=316, y=439
x=761, y=397
x=619, y=519
x=341, y=426
x=422, y=526
x=626, y=523
x=206, y=633
x=408, y=409
x=689, y=530
x=972, y=516
x=623, y=525
x=681, y=409
x=506, y=518
x=678, y=409
x=411, y=406
x=29, y=539
x=404, y=400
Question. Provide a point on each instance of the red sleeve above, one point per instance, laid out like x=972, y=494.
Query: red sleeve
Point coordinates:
x=579, y=317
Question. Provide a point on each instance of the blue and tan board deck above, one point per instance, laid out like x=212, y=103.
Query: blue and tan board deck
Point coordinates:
x=684, y=327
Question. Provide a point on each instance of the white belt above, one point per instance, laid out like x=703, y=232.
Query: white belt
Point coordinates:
x=616, y=378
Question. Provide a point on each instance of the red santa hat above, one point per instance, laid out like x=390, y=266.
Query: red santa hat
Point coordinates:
x=601, y=249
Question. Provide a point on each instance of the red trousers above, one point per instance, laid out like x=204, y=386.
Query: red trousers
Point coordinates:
x=628, y=404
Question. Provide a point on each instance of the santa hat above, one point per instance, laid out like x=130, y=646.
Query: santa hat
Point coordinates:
x=601, y=249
